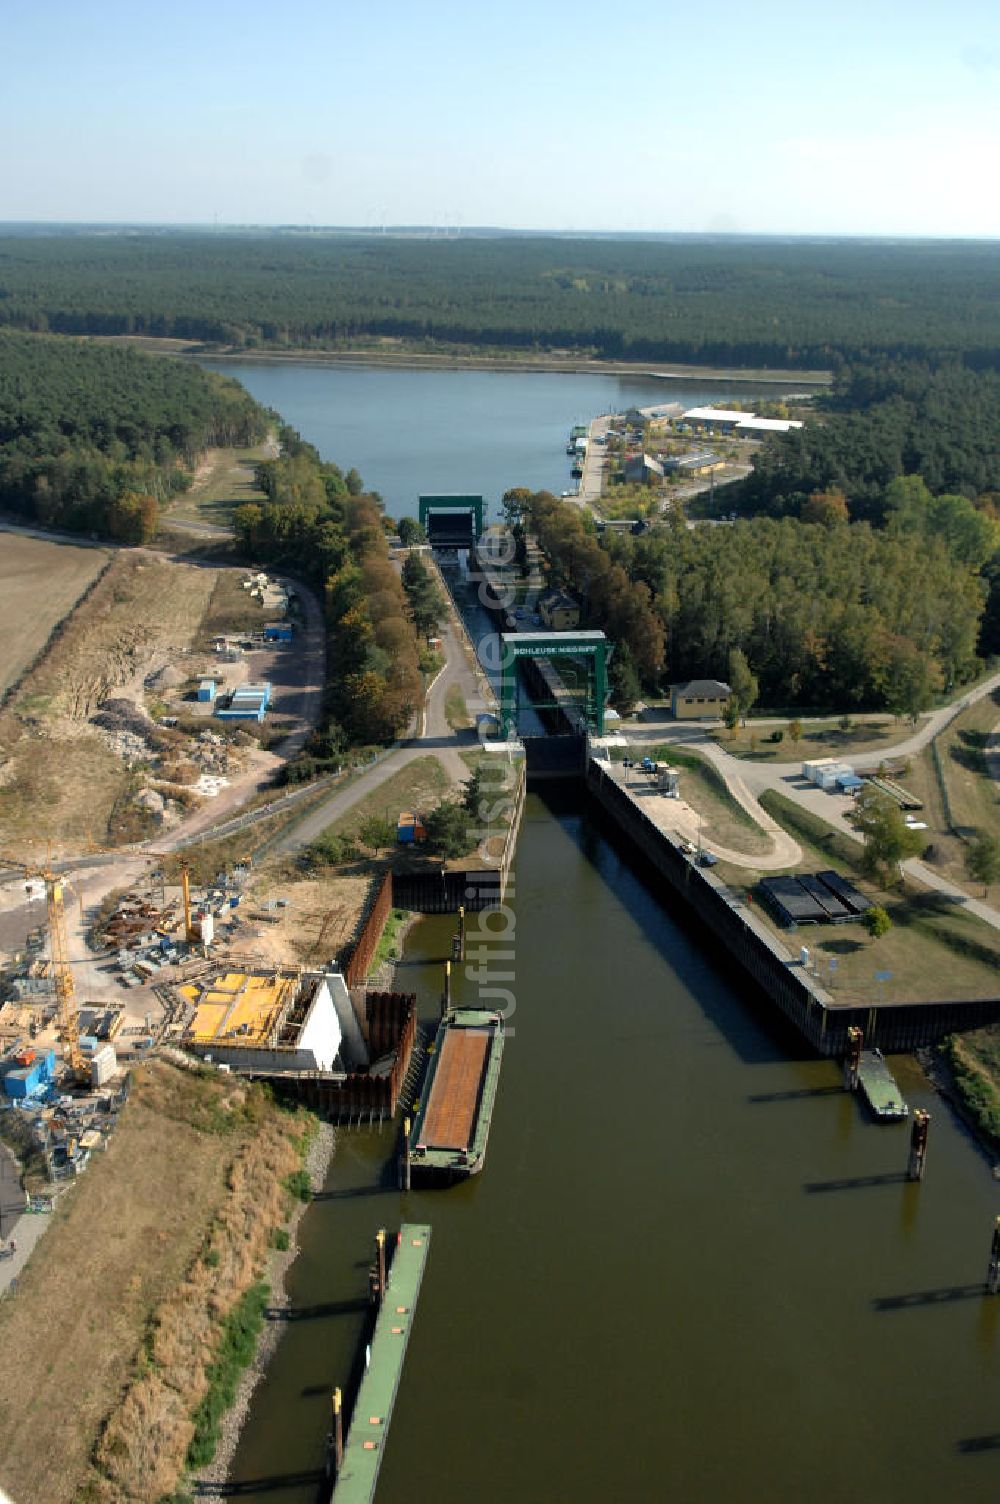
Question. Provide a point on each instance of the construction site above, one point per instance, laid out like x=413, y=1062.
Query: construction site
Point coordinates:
x=173, y=967
x=166, y=686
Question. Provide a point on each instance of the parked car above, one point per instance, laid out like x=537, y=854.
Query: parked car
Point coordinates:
x=707, y=859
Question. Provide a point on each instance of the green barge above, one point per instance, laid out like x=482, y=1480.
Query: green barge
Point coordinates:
x=451, y=1127
x=396, y=1285
x=879, y=1088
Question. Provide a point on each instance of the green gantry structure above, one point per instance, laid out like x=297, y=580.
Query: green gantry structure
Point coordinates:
x=448, y=506
x=593, y=646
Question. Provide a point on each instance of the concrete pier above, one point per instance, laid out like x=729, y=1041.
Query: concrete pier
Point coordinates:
x=369, y=1428
x=819, y=1016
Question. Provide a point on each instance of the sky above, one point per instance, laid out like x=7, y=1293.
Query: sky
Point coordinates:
x=750, y=116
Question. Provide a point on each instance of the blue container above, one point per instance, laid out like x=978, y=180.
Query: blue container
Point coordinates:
x=24, y=1082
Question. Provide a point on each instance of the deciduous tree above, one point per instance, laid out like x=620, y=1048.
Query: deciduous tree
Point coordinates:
x=982, y=861
x=888, y=840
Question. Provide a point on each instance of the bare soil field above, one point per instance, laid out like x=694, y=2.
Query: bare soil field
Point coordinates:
x=60, y=778
x=40, y=581
x=123, y=1240
x=323, y=915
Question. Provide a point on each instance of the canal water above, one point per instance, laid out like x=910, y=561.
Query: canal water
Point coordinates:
x=478, y=432
x=691, y=1269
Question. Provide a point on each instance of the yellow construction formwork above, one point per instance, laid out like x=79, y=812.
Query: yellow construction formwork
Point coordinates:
x=238, y=1008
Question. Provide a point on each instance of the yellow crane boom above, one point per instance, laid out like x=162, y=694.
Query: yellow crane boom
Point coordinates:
x=66, y=1010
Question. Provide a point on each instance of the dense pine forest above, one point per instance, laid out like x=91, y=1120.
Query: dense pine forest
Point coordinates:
x=800, y=304
x=93, y=437
x=884, y=420
x=864, y=570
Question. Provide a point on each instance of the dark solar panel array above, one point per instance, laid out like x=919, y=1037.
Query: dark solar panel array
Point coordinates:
x=820, y=898
x=845, y=891
x=791, y=899
x=825, y=897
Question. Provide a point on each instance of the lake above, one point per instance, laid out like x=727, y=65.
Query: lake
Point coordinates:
x=438, y=431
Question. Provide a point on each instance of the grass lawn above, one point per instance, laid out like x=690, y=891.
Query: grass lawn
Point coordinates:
x=973, y=796
x=230, y=610
x=935, y=950
x=960, y=799
x=224, y=481
x=820, y=738
x=416, y=788
x=726, y=822
x=456, y=710
x=620, y=503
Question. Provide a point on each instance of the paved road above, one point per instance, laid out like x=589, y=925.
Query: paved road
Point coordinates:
x=745, y=778
x=677, y=816
x=11, y=1195
x=593, y=464
x=435, y=737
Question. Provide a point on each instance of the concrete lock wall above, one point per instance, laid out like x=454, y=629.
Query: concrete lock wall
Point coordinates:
x=814, y=1012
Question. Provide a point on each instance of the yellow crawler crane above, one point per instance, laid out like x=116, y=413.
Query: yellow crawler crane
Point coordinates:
x=66, y=1011
x=189, y=929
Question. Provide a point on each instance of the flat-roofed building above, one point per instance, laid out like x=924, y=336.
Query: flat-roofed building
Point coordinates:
x=696, y=462
x=751, y=427
x=721, y=418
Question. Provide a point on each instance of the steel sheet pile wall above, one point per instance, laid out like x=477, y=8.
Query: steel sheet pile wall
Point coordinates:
x=474, y=889
x=445, y=892
x=371, y=933
x=817, y=1015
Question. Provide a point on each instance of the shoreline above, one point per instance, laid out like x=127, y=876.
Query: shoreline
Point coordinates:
x=523, y=364
x=524, y=361
x=941, y=1074
x=211, y=1482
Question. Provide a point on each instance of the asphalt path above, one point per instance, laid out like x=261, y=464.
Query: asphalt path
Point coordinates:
x=747, y=780
x=435, y=737
x=11, y=1195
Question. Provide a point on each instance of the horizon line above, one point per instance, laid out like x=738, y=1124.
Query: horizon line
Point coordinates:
x=457, y=232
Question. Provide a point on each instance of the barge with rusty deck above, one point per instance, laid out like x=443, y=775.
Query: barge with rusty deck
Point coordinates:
x=452, y=1122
